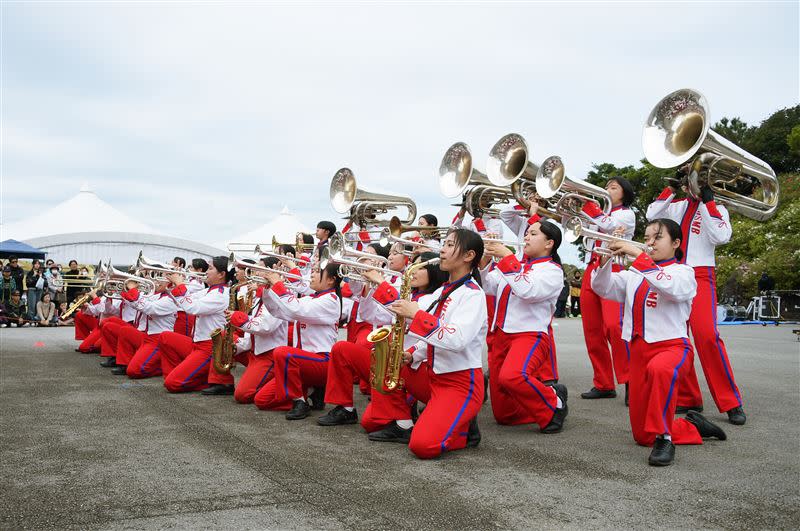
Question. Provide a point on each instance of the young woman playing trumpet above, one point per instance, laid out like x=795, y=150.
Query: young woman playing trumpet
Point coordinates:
x=656, y=293
x=526, y=292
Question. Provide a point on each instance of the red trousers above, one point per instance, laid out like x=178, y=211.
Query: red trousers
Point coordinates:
x=92, y=341
x=188, y=371
x=710, y=349
x=128, y=340
x=456, y=398
x=656, y=369
x=259, y=371
x=295, y=371
x=602, y=325
x=518, y=397
x=348, y=362
x=109, y=331
x=358, y=331
x=384, y=408
x=146, y=361
x=84, y=324
x=184, y=324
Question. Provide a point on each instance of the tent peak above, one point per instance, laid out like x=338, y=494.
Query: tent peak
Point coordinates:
x=285, y=210
x=86, y=188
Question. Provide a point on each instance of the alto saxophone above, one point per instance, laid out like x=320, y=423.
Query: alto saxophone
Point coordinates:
x=223, y=348
x=387, y=354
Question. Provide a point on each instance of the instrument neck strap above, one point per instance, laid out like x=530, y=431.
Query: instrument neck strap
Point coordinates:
x=446, y=292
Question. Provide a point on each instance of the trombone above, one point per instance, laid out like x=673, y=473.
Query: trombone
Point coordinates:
x=326, y=258
x=337, y=247
x=158, y=272
x=397, y=228
x=299, y=245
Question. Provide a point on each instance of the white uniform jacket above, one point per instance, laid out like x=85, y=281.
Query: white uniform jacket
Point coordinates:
x=525, y=293
x=657, y=298
x=264, y=332
x=481, y=225
x=209, y=306
x=112, y=308
x=703, y=226
x=95, y=307
x=316, y=316
x=452, y=337
x=159, y=312
x=516, y=219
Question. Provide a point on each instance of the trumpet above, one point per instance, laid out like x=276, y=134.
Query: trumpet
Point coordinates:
x=574, y=229
x=158, y=272
x=502, y=242
x=337, y=247
x=387, y=238
x=249, y=268
x=299, y=245
x=326, y=258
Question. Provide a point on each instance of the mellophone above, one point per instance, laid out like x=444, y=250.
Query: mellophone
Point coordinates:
x=676, y=135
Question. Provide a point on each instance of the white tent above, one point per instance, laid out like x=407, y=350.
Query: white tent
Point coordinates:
x=84, y=212
x=284, y=227
x=88, y=229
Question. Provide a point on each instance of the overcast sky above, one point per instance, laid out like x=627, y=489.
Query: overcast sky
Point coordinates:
x=205, y=119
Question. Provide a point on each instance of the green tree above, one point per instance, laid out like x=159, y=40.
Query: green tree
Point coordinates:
x=794, y=141
x=768, y=140
x=734, y=130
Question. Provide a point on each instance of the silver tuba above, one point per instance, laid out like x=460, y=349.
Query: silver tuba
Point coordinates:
x=510, y=164
x=677, y=131
x=364, y=207
x=570, y=194
x=457, y=176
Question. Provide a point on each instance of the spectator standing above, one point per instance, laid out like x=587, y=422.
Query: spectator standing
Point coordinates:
x=73, y=289
x=36, y=284
x=55, y=285
x=561, y=302
x=575, y=293
x=7, y=285
x=17, y=273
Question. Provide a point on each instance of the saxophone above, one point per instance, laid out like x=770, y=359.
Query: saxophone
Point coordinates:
x=387, y=355
x=223, y=347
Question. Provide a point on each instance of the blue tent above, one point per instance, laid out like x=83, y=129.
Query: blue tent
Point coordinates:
x=20, y=250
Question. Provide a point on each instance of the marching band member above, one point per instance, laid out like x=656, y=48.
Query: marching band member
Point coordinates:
x=526, y=292
x=88, y=317
x=602, y=318
x=389, y=416
x=111, y=326
x=159, y=314
x=350, y=359
x=186, y=363
x=129, y=338
x=451, y=339
x=104, y=308
x=184, y=324
x=519, y=221
x=656, y=293
x=704, y=225
x=306, y=365
x=263, y=332
x=325, y=229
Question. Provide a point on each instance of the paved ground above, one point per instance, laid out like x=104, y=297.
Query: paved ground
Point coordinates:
x=84, y=449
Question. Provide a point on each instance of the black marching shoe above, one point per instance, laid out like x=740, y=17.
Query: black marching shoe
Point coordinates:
x=120, y=370
x=682, y=410
x=415, y=411
x=337, y=416
x=663, y=453
x=218, y=389
x=627, y=402
x=473, y=434
x=391, y=433
x=557, y=422
x=317, y=399
x=300, y=410
x=594, y=392
x=705, y=427
x=736, y=416
x=109, y=362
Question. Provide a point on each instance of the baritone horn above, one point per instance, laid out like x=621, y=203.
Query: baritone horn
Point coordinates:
x=364, y=207
x=570, y=194
x=678, y=131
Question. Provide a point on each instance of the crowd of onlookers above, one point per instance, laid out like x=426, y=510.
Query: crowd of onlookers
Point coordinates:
x=38, y=296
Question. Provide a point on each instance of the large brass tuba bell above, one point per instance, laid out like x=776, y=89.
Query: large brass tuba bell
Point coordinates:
x=364, y=206
x=677, y=131
x=457, y=173
x=569, y=194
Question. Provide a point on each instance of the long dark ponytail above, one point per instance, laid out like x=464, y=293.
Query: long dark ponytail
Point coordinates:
x=220, y=263
x=332, y=270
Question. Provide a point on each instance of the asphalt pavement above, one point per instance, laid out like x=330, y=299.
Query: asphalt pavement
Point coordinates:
x=82, y=448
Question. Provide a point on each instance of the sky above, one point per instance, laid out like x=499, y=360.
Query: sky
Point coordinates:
x=205, y=119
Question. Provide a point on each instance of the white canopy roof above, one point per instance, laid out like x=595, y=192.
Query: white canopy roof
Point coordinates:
x=284, y=227
x=84, y=212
